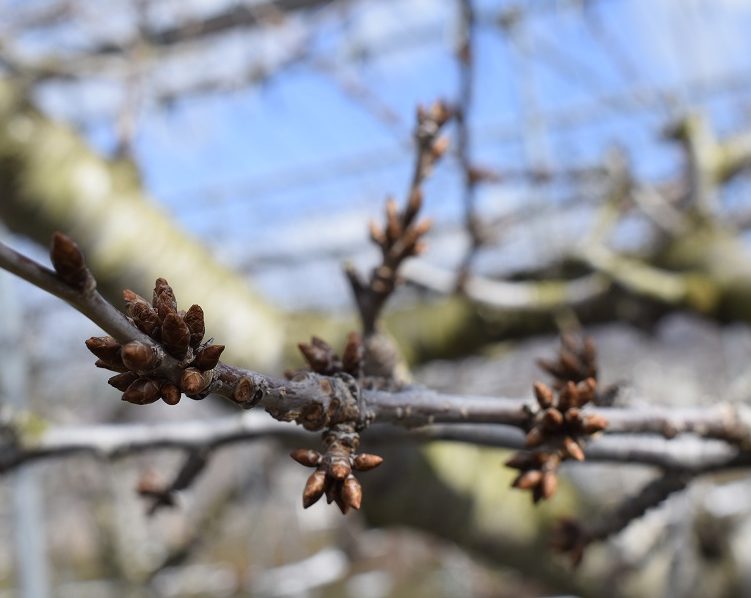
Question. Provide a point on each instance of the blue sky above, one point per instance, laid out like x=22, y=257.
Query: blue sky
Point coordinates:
x=275, y=157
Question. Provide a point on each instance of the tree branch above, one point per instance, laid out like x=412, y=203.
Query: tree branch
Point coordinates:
x=501, y=294
x=688, y=454
x=316, y=402
x=691, y=454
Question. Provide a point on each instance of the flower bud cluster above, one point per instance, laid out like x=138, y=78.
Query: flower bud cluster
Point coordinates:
x=559, y=425
x=333, y=475
x=177, y=333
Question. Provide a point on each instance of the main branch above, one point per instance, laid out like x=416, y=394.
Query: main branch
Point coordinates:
x=317, y=401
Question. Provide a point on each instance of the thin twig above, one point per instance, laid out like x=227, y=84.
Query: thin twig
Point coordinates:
x=688, y=454
x=509, y=295
x=573, y=537
x=466, y=60
x=163, y=496
x=691, y=454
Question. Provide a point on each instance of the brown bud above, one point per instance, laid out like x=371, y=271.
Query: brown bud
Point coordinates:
x=145, y=318
x=423, y=227
x=164, y=306
x=69, y=262
x=133, y=297
x=105, y=348
x=589, y=350
x=594, y=423
x=528, y=479
x=572, y=448
x=170, y=393
x=339, y=469
x=567, y=397
x=113, y=367
x=339, y=499
x=376, y=234
x=393, y=225
x=352, y=492
x=142, y=392
x=122, y=381
x=163, y=289
x=175, y=335
x=353, y=355
x=552, y=419
x=419, y=248
x=549, y=461
x=331, y=488
x=523, y=460
x=193, y=381
x=320, y=356
x=411, y=238
x=535, y=437
x=587, y=390
x=208, y=357
x=441, y=112
x=313, y=488
x=573, y=417
x=543, y=394
x=366, y=462
x=571, y=363
x=139, y=356
x=317, y=341
x=440, y=147
x=306, y=457
x=549, y=484
x=194, y=319
x=551, y=367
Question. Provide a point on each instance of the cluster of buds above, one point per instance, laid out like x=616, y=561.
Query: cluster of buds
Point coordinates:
x=179, y=334
x=538, y=472
x=401, y=236
x=559, y=425
x=431, y=146
x=322, y=359
x=333, y=475
x=560, y=419
x=357, y=360
x=576, y=361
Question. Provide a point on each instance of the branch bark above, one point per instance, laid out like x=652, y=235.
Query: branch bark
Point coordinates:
x=317, y=402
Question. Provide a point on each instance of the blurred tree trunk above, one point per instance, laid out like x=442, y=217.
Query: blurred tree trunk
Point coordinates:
x=461, y=494
x=52, y=180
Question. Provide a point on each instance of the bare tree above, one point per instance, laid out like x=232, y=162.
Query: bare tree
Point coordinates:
x=691, y=256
